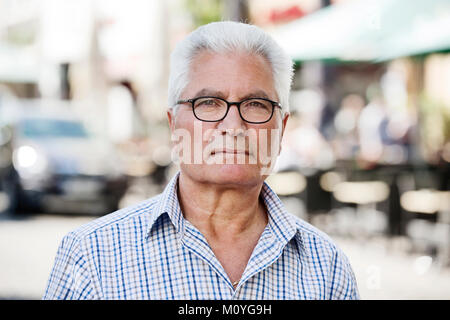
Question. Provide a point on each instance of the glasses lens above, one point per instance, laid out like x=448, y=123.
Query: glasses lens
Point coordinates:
x=256, y=110
x=210, y=109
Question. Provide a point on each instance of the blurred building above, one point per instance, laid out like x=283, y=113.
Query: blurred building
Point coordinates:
x=109, y=57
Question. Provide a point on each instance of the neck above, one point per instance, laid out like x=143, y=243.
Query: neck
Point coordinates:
x=222, y=212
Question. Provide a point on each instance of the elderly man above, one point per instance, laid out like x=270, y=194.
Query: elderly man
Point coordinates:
x=217, y=231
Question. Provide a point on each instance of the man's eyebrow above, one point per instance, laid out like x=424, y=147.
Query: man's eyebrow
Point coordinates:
x=215, y=93
x=256, y=94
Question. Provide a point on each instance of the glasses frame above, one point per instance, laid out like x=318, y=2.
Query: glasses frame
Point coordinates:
x=229, y=104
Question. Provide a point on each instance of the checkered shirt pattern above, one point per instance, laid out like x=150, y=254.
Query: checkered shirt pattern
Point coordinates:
x=149, y=251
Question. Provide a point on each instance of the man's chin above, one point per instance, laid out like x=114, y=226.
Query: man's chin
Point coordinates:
x=238, y=174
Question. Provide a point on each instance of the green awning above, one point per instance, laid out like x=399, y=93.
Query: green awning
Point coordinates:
x=428, y=32
x=368, y=31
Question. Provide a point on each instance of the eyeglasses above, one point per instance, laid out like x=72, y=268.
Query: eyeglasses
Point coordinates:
x=213, y=109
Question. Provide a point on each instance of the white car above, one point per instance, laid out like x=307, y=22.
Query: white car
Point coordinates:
x=59, y=166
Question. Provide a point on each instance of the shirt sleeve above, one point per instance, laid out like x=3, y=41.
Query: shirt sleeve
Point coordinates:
x=70, y=278
x=343, y=280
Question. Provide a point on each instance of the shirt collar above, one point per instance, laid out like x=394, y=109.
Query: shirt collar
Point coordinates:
x=168, y=204
x=282, y=224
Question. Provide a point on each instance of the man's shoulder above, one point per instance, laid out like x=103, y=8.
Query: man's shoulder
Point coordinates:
x=324, y=252
x=124, y=217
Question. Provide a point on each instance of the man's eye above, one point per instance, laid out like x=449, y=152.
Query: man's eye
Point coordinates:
x=208, y=102
x=257, y=104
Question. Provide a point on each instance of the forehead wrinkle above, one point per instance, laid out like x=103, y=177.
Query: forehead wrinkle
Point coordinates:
x=197, y=67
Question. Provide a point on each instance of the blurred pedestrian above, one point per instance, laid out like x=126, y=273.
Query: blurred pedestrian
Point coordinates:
x=217, y=231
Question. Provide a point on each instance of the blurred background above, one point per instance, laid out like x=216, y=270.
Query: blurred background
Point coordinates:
x=366, y=154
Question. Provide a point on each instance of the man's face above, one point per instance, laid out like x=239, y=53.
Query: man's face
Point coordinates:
x=230, y=151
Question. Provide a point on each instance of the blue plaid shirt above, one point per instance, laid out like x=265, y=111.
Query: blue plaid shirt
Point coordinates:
x=149, y=251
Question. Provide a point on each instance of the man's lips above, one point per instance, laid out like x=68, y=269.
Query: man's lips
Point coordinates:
x=229, y=151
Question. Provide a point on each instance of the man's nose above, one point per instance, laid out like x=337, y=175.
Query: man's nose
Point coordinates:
x=233, y=118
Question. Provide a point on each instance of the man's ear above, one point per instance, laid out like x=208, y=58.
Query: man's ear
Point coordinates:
x=171, y=118
x=283, y=127
x=284, y=122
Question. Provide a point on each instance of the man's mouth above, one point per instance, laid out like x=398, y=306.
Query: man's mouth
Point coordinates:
x=229, y=151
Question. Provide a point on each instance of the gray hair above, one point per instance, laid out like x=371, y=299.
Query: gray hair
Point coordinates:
x=225, y=37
